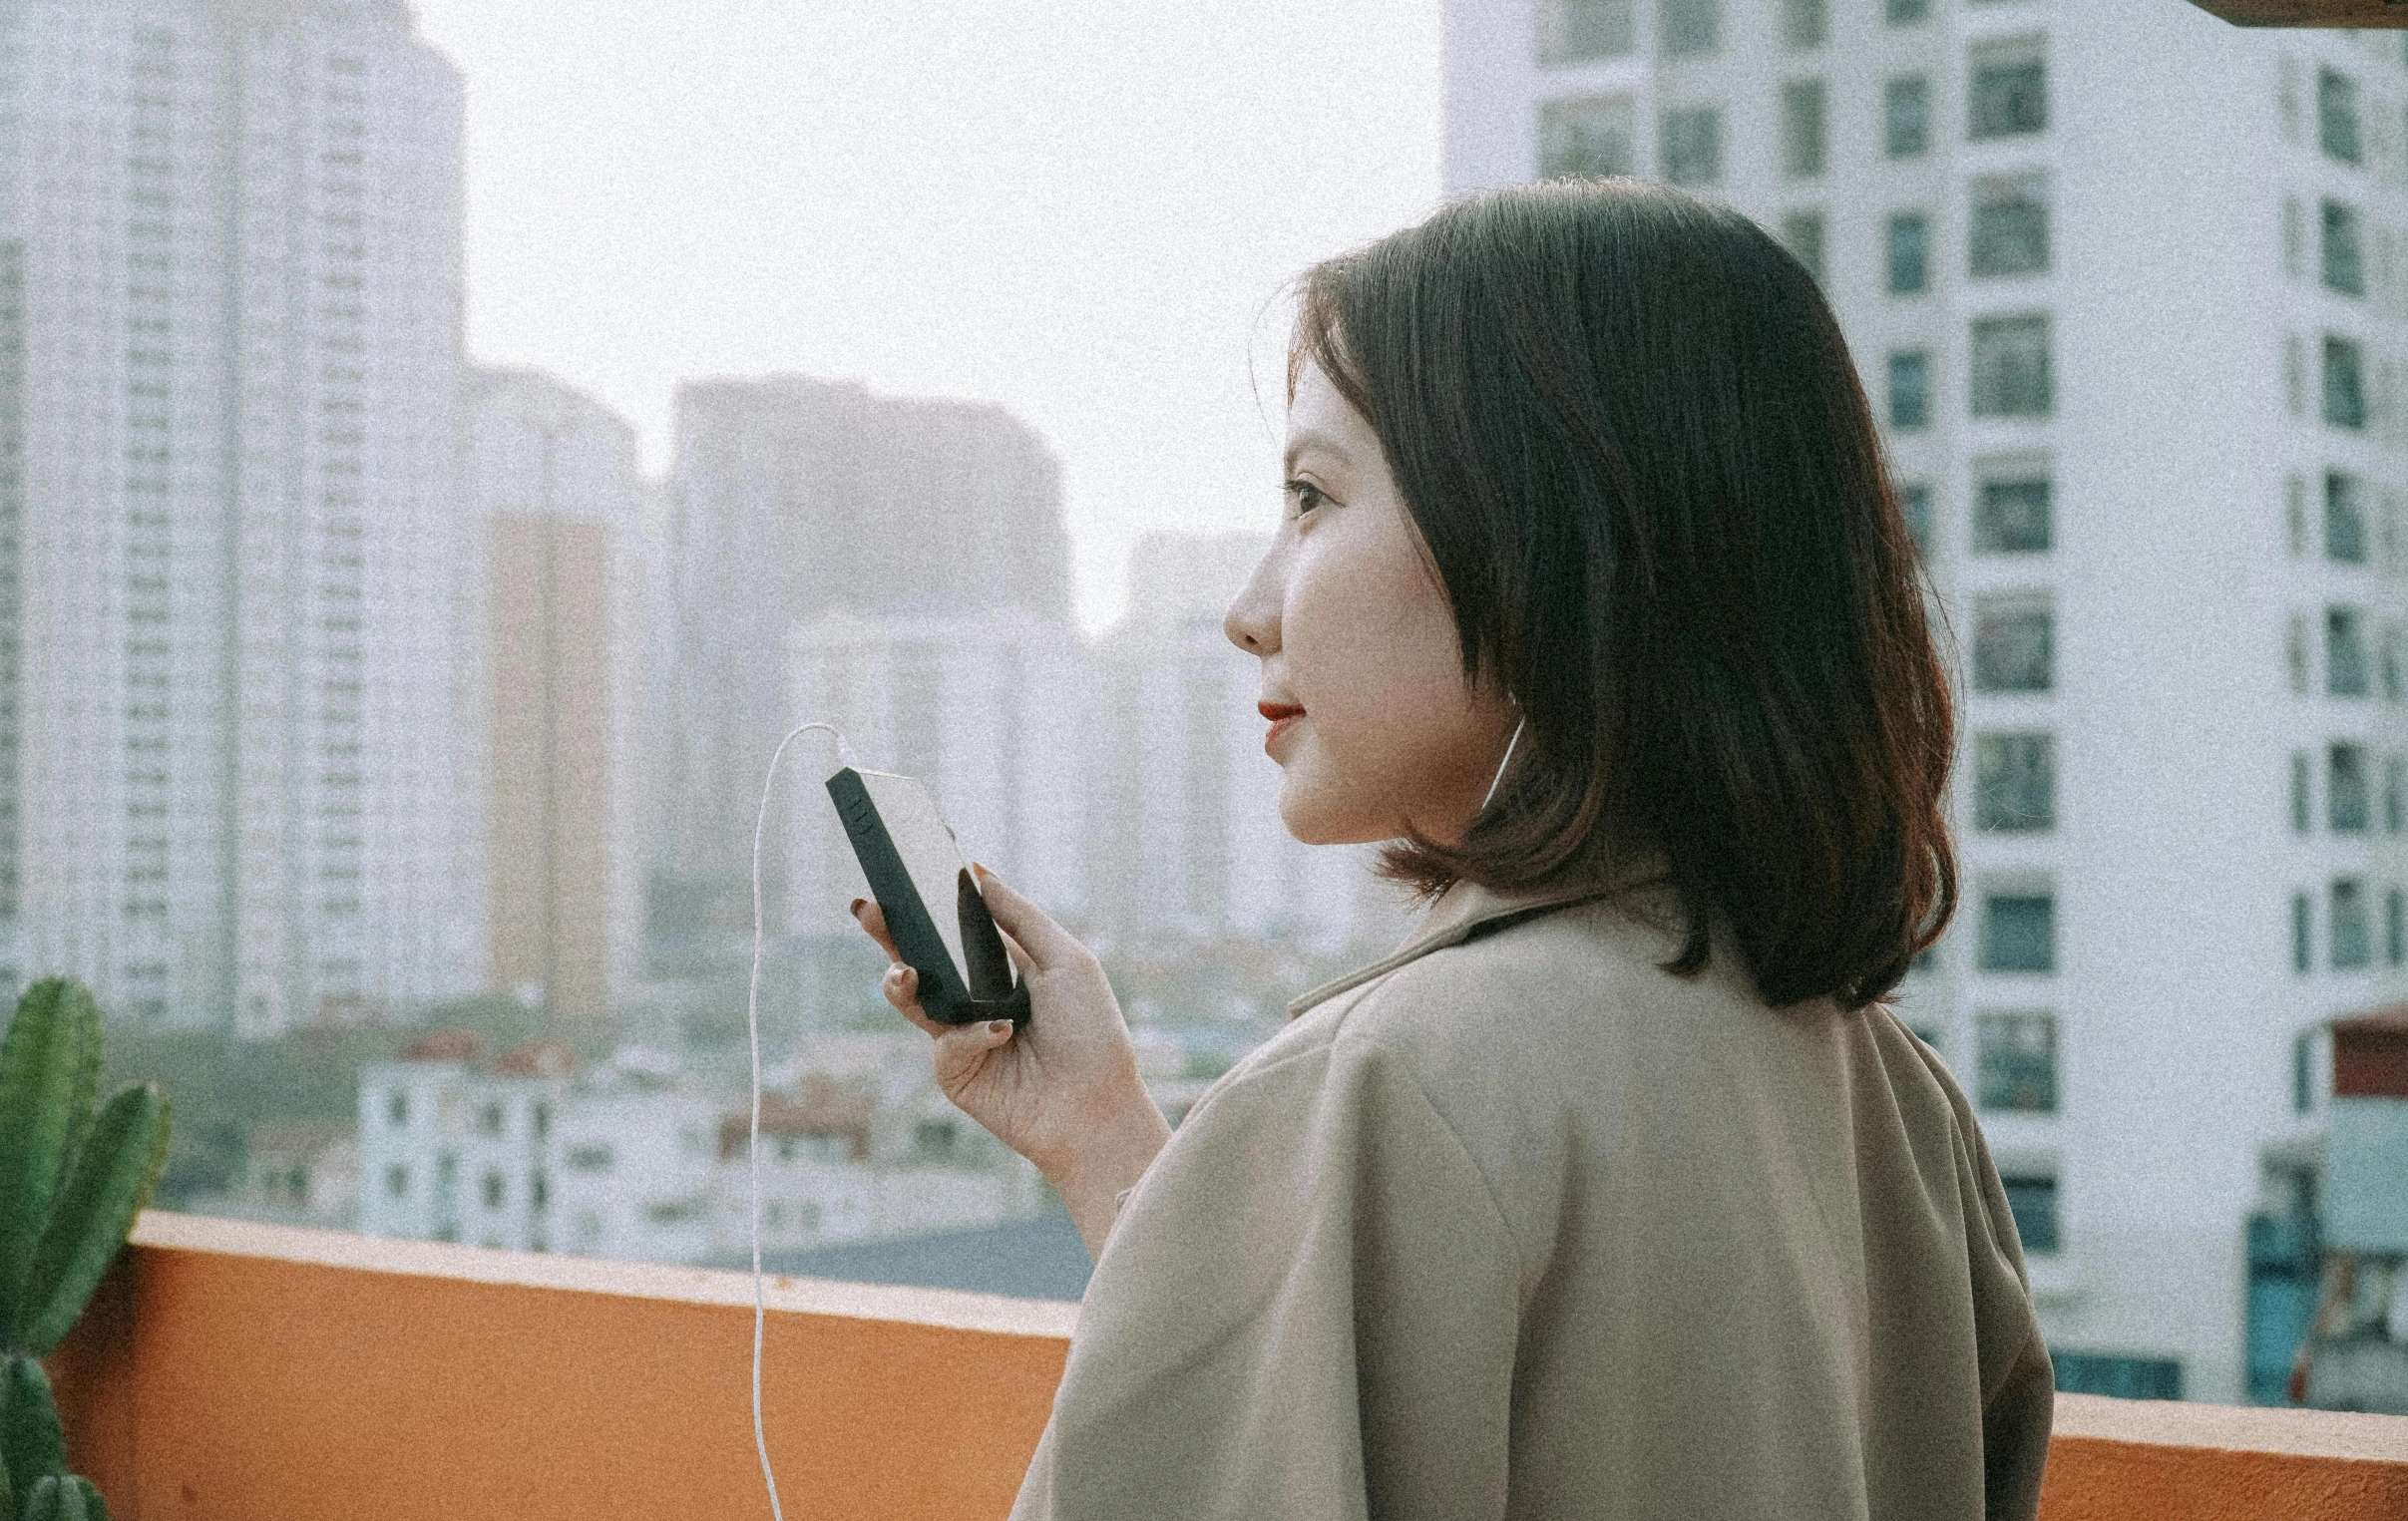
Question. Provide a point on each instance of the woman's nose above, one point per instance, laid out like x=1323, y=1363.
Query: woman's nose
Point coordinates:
x=1252, y=623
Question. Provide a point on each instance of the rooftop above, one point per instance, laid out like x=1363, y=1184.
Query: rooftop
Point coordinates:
x=230, y=1370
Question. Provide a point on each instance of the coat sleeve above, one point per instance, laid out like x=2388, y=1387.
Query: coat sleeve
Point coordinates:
x=1308, y=1309
x=2018, y=1385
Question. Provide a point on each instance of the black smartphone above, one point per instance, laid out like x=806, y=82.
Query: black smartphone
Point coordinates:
x=932, y=905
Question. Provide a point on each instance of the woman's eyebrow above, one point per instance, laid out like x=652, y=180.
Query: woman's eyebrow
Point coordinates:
x=1300, y=443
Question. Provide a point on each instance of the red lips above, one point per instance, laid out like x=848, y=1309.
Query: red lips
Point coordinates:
x=1282, y=716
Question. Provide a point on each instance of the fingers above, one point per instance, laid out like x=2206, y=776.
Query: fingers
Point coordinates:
x=871, y=917
x=1043, y=943
x=967, y=1045
x=901, y=988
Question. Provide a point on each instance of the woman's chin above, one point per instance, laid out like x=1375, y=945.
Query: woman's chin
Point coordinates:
x=1315, y=818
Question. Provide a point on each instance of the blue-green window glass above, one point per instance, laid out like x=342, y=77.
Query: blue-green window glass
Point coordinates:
x=2344, y=519
x=2016, y=1062
x=1908, y=251
x=1911, y=389
x=2019, y=931
x=1914, y=504
x=2344, y=258
x=2337, y=116
x=2032, y=1200
x=1692, y=145
x=1906, y=116
x=2344, y=383
x=2012, y=516
x=2015, y=783
x=2344, y=652
x=2014, y=647
x=2349, y=804
x=2353, y=936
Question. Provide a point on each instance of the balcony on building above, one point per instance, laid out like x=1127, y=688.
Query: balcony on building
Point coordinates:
x=246, y=1369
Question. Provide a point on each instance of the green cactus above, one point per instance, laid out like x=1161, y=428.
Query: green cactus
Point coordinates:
x=63, y=1497
x=71, y=1183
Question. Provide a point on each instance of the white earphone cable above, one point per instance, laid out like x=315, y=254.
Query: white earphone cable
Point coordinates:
x=752, y=1031
x=1499, y=779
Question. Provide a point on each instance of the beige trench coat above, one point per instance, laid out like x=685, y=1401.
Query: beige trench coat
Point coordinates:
x=1514, y=1223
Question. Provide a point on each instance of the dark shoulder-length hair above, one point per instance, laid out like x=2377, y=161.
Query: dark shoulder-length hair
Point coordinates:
x=1628, y=429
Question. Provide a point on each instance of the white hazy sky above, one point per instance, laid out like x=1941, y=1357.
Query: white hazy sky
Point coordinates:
x=1076, y=208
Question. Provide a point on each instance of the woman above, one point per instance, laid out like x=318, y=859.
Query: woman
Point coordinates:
x=1618, y=1190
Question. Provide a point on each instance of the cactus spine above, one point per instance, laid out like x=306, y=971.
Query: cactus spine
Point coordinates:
x=71, y=1182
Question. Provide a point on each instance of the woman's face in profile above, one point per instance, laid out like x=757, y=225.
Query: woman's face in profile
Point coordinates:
x=1380, y=732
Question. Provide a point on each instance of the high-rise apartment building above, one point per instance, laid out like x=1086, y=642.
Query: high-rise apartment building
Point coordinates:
x=2125, y=286
x=552, y=646
x=230, y=370
x=793, y=498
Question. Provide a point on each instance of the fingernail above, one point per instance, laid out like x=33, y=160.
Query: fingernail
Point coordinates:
x=856, y=908
x=998, y=1026
x=981, y=870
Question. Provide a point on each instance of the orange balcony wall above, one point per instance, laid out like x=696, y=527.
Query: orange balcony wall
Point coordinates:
x=233, y=1370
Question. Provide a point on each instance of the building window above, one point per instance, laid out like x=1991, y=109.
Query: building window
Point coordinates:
x=1801, y=235
x=489, y=1120
x=2017, y=1062
x=1693, y=146
x=2337, y=116
x=1805, y=24
x=1914, y=505
x=2011, y=367
x=2032, y=1200
x=2293, y=237
x=590, y=1159
x=2352, y=939
x=1911, y=389
x=2011, y=517
x=2302, y=933
x=397, y=1181
x=495, y=1189
x=1574, y=31
x=2010, y=231
x=2344, y=257
x=1906, y=12
x=542, y=1121
x=2344, y=383
x=2344, y=652
x=397, y=1109
x=1804, y=119
x=2294, y=375
x=1689, y=28
x=1909, y=255
x=2123, y=1377
x=2012, y=646
x=2019, y=931
x=2348, y=808
x=2295, y=514
x=2395, y=927
x=2010, y=93
x=2303, y=810
x=1587, y=137
x=2395, y=795
x=1906, y=116
x=2295, y=654
x=2303, y=1072
x=2344, y=519
x=2015, y=783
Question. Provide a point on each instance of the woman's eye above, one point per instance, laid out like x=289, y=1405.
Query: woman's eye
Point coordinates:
x=1305, y=496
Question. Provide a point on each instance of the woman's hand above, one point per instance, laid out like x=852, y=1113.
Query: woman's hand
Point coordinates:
x=1063, y=1091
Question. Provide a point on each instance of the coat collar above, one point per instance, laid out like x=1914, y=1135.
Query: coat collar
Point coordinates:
x=1455, y=915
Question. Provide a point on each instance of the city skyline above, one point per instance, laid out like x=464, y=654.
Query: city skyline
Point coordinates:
x=1085, y=216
